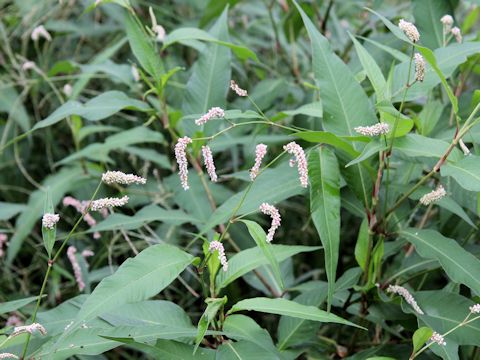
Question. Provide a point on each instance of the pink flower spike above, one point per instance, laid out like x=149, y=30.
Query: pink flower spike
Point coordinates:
x=260, y=152
x=39, y=32
x=237, y=89
x=296, y=150
x=49, y=220
x=217, y=245
x=77, y=271
x=214, y=112
x=272, y=211
x=209, y=164
x=180, y=154
x=3, y=242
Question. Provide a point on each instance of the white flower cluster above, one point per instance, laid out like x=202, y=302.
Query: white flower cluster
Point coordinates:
x=433, y=196
x=400, y=290
x=373, y=130
x=49, y=220
x=410, y=30
x=118, y=177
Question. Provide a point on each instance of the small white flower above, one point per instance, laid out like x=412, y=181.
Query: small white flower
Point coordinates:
x=100, y=204
x=49, y=220
x=433, y=196
x=67, y=90
x=39, y=32
x=437, y=338
x=118, y=177
x=373, y=130
x=447, y=21
x=410, y=30
x=475, y=309
x=237, y=89
x=403, y=292
x=457, y=33
x=419, y=67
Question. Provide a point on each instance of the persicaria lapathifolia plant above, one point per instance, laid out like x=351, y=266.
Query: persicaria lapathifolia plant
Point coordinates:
x=237, y=180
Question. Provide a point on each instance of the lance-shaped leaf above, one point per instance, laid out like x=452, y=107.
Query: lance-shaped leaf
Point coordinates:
x=466, y=172
x=325, y=207
x=288, y=308
x=213, y=305
x=48, y=235
x=460, y=265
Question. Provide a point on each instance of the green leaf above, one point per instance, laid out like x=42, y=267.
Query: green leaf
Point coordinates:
x=241, y=327
x=59, y=184
x=326, y=137
x=249, y=259
x=373, y=71
x=143, y=49
x=325, y=208
x=137, y=279
x=9, y=210
x=257, y=233
x=208, y=84
x=98, y=108
x=294, y=331
x=213, y=306
x=427, y=15
x=420, y=337
x=314, y=109
x=288, y=308
x=100, y=151
x=361, y=246
x=372, y=148
x=243, y=350
x=48, y=235
x=184, y=35
x=414, y=145
x=460, y=265
x=148, y=214
x=13, y=305
x=466, y=172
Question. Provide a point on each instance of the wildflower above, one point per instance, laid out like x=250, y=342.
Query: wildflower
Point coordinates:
x=49, y=220
x=447, y=21
x=39, y=32
x=29, y=329
x=13, y=320
x=217, y=245
x=475, y=309
x=400, y=290
x=87, y=253
x=419, y=67
x=157, y=29
x=8, y=356
x=77, y=271
x=181, y=156
x=118, y=177
x=238, y=90
x=260, y=152
x=272, y=211
x=81, y=207
x=465, y=149
x=100, y=204
x=214, y=112
x=135, y=73
x=3, y=242
x=410, y=30
x=67, y=90
x=28, y=65
x=209, y=164
x=433, y=196
x=437, y=338
x=373, y=130
x=457, y=33
x=294, y=149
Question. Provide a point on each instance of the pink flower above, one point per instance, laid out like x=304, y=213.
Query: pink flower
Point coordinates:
x=218, y=246
x=14, y=320
x=214, y=112
x=39, y=32
x=437, y=338
x=180, y=154
x=294, y=149
x=209, y=164
x=49, y=220
x=237, y=89
x=475, y=309
x=87, y=253
x=410, y=30
x=100, y=204
x=3, y=242
x=457, y=33
x=260, y=152
x=272, y=211
x=81, y=207
x=118, y=177
x=77, y=271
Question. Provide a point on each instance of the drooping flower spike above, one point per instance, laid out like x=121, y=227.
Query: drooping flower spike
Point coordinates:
x=118, y=177
x=39, y=32
x=373, y=130
x=77, y=270
x=260, y=152
x=237, y=89
x=433, y=196
x=209, y=164
x=218, y=246
x=410, y=30
x=81, y=207
x=403, y=292
x=214, y=112
x=272, y=211
x=181, y=156
x=300, y=159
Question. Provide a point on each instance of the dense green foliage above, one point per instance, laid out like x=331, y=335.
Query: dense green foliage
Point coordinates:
x=373, y=255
